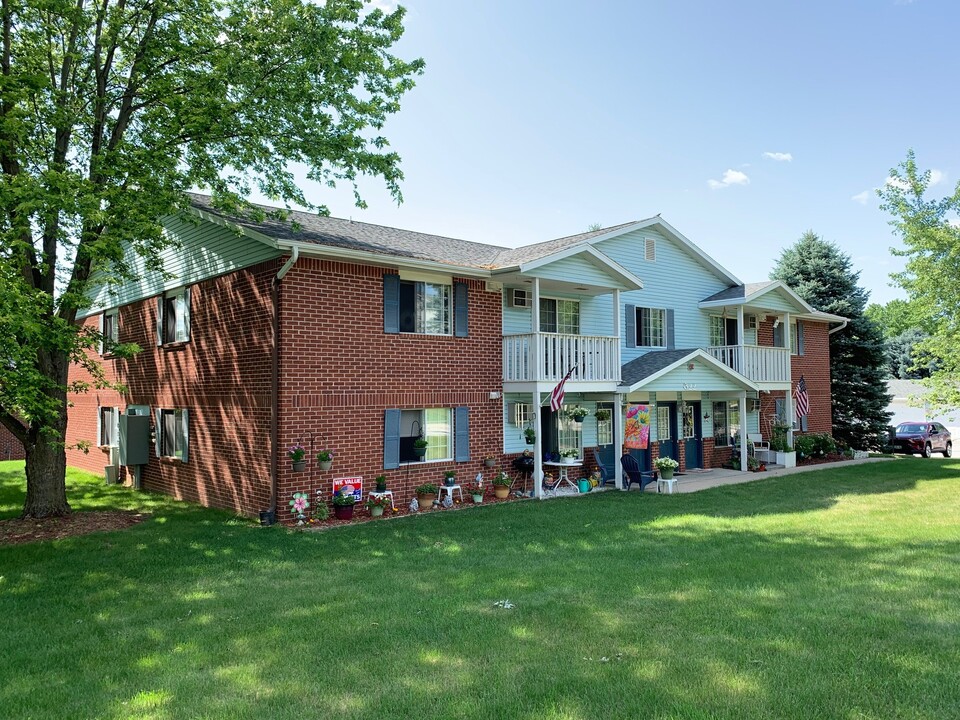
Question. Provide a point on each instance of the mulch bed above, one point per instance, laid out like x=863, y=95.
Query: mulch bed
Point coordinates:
x=823, y=459
x=25, y=530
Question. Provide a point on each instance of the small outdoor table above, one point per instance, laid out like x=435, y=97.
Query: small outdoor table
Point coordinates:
x=385, y=493
x=562, y=476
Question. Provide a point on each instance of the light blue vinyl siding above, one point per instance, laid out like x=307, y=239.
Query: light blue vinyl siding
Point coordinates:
x=675, y=280
x=207, y=250
x=513, y=440
x=573, y=268
x=779, y=301
x=596, y=317
x=703, y=377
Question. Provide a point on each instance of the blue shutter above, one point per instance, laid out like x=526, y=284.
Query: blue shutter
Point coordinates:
x=391, y=310
x=803, y=424
x=799, y=337
x=462, y=434
x=630, y=324
x=668, y=331
x=157, y=429
x=460, y=309
x=391, y=438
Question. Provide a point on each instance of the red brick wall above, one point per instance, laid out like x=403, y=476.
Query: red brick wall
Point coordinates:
x=340, y=372
x=10, y=447
x=222, y=376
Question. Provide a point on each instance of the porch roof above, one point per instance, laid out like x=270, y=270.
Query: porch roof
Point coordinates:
x=755, y=293
x=679, y=370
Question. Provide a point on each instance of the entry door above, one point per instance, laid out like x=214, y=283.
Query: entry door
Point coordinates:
x=606, y=434
x=692, y=430
x=667, y=429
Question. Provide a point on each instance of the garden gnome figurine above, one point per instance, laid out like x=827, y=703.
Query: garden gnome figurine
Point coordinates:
x=414, y=505
x=447, y=501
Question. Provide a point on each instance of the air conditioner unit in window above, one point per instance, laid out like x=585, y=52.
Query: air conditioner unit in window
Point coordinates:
x=519, y=298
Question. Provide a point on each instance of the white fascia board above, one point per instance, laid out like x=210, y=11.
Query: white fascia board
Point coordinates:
x=736, y=377
x=627, y=280
x=370, y=258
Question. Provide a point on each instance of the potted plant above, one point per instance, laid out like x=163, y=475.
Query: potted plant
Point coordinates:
x=568, y=457
x=450, y=478
x=343, y=505
x=377, y=504
x=602, y=415
x=577, y=413
x=420, y=447
x=297, y=455
x=665, y=466
x=325, y=459
x=476, y=490
x=501, y=485
x=530, y=435
x=490, y=461
x=381, y=483
x=426, y=494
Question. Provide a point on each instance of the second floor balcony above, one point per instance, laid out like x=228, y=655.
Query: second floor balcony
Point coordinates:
x=546, y=357
x=759, y=364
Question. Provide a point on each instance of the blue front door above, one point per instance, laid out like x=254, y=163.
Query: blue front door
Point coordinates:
x=667, y=430
x=692, y=431
x=606, y=432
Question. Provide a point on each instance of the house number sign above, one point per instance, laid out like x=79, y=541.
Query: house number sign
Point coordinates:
x=688, y=386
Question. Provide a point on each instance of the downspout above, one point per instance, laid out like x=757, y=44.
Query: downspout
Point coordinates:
x=838, y=328
x=275, y=385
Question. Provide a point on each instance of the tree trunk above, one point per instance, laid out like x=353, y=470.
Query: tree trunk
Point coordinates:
x=46, y=455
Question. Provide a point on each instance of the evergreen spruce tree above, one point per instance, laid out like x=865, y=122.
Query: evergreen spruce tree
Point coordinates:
x=823, y=276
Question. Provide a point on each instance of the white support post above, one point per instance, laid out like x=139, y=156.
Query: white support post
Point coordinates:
x=535, y=370
x=620, y=416
x=788, y=405
x=537, y=446
x=742, y=361
x=743, y=430
x=617, y=331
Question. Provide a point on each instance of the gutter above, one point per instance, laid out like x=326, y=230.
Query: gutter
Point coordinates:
x=838, y=328
x=270, y=516
x=362, y=256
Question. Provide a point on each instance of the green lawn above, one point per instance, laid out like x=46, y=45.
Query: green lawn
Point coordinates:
x=828, y=594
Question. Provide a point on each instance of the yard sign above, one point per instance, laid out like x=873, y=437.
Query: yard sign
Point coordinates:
x=350, y=486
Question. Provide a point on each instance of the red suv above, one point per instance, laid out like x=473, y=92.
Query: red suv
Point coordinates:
x=923, y=438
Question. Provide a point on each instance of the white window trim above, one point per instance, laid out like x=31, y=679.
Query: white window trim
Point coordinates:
x=181, y=417
x=181, y=292
x=451, y=435
x=450, y=320
x=562, y=299
x=116, y=426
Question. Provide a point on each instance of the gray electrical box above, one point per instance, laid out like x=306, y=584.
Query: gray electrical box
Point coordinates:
x=134, y=439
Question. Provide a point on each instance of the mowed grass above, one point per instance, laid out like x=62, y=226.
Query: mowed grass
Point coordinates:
x=832, y=594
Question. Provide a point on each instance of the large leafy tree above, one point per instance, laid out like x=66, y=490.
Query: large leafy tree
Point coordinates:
x=110, y=110
x=823, y=276
x=930, y=233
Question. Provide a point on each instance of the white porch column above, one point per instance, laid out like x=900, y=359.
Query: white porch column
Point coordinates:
x=617, y=331
x=743, y=426
x=535, y=370
x=741, y=362
x=537, y=445
x=788, y=405
x=620, y=415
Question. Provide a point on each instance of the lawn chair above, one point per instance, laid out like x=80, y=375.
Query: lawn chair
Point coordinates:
x=634, y=474
x=604, y=474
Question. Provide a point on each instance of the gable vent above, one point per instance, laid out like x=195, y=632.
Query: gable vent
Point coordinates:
x=649, y=249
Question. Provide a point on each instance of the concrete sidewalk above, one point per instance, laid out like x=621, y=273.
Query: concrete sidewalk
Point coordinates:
x=696, y=481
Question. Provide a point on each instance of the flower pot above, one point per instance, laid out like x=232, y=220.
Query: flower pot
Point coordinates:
x=490, y=462
x=578, y=419
x=568, y=460
x=381, y=488
x=419, y=452
x=376, y=510
x=584, y=485
x=325, y=464
x=426, y=501
x=787, y=459
x=666, y=473
x=478, y=499
x=530, y=441
x=501, y=491
x=343, y=512
x=449, y=482
x=299, y=465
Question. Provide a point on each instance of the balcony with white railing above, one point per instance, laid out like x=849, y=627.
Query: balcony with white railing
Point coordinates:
x=596, y=357
x=759, y=364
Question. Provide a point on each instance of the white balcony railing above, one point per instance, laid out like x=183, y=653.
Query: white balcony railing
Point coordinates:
x=595, y=356
x=759, y=364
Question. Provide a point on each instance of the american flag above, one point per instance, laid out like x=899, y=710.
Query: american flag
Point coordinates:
x=556, y=397
x=803, y=401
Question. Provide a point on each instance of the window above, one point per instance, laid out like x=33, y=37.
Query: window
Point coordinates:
x=605, y=428
x=520, y=415
x=717, y=335
x=425, y=308
x=650, y=326
x=663, y=423
x=689, y=422
x=436, y=427
x=109, y=426
x=781, y=413
x=560, y=316
x=569, y=432
x=110, y=330
x=172, y=434
x=726, y=422
x=173, y=316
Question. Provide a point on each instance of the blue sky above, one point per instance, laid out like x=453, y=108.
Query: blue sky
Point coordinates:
x=743, y=123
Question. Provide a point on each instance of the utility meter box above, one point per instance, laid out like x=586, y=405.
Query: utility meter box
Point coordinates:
x=134, y=439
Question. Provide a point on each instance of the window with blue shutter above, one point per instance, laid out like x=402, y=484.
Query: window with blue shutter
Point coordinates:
x=630, y=325
x=391, y=439
x=391, y=304
x=460, y=300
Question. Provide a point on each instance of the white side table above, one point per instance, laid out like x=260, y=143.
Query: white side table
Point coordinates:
x=670, y=482
x=449, y=490
x=385, y=493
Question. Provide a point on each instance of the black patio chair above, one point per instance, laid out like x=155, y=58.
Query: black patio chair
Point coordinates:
x=635, y=475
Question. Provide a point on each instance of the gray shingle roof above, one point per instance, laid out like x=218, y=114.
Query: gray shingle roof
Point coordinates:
x=353, y=235
x=739, y=292
x=516, y=256
x=653, y=362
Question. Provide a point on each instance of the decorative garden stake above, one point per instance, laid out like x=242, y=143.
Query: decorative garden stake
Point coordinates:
x=299, y=506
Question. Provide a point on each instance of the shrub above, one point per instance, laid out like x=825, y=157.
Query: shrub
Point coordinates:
x=804, y=445
x=426, y=489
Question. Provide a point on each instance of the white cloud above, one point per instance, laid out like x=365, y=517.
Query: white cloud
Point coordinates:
x=954, y=223
x=897, y=183
x=937, y=177
x=779, y=156
x=388, y=6
x=730, y=177
x=861, y=197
